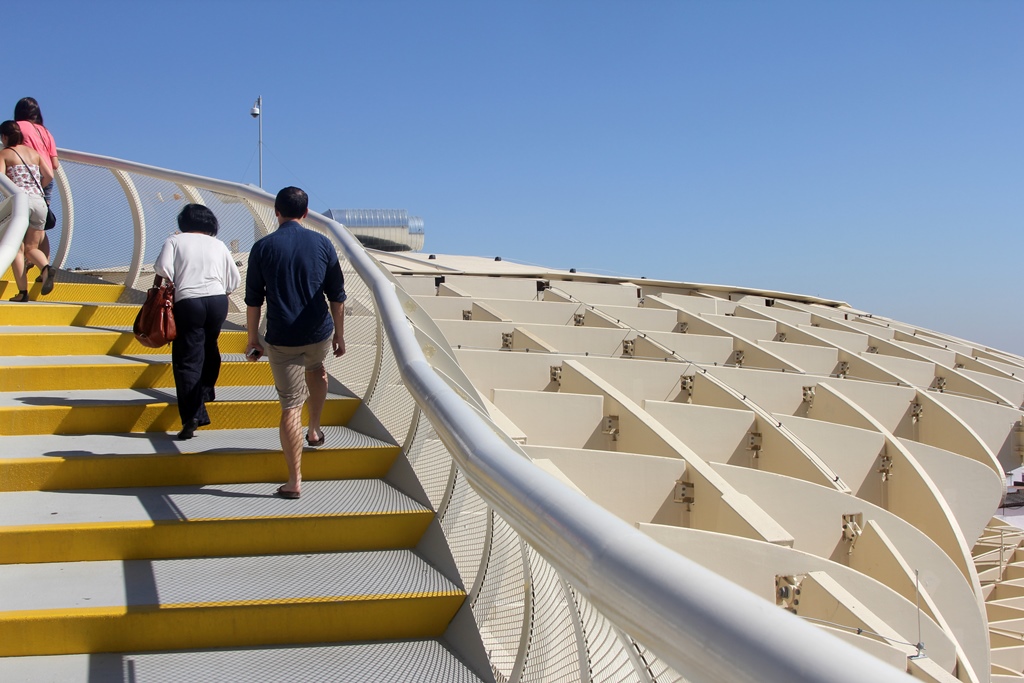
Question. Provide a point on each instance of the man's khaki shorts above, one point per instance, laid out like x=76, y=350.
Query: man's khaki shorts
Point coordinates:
x=289, y=365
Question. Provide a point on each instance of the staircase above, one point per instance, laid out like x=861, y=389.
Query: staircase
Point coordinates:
x=128, y=555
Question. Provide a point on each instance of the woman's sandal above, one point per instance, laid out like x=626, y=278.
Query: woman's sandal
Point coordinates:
x=48, y=279
x=21, y=297
x=316, y=442
x=287, y=495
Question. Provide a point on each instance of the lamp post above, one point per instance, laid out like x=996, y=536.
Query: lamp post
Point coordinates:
x=257, y=113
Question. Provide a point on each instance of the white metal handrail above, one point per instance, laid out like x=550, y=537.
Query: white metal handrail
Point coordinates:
x=706, y=627
x=16, y=203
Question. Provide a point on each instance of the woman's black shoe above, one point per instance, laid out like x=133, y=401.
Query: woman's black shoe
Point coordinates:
x=48, y=279
x=22, y=296
x=188, y=430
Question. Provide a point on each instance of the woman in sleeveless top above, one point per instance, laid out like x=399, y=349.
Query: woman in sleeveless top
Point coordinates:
x=25, y=168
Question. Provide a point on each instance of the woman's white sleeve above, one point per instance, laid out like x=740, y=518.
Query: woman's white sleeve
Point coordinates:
x=164, y=264
x=232, y=278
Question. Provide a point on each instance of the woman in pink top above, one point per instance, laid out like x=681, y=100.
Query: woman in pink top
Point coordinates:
x=25, y=167
x=30, y=119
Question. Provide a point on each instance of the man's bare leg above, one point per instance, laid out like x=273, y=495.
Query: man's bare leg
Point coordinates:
x=291, y=444
x=316, y=382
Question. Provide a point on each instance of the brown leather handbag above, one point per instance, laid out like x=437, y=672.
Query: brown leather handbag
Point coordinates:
x=154, y=325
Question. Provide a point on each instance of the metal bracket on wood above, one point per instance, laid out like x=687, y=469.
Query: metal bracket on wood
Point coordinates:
x=686, y=384
x=809, y=396
x=852, y=528
x=885, y=468
x=683, y=492
x=787, y=591
x=610, y=426
x=754, y=443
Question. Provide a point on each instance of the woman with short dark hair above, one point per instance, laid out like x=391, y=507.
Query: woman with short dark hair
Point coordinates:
x=204, y=273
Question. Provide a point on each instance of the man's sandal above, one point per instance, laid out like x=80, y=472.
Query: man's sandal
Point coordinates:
x=315, y=442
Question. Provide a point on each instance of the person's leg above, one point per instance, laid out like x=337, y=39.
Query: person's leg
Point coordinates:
x=316, y=382
x=44, y=244
x=20, y=279
x=291, y=445
x=316, y=385
x=35, y=234
x=36, y=256
x=187, y=362
x=32, y=251
x=216, y=313
x=287, y=368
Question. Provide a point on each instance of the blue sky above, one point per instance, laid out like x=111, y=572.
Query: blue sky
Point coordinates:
x=866, y=151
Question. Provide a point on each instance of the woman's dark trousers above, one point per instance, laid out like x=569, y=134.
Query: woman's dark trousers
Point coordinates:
x=195, y=356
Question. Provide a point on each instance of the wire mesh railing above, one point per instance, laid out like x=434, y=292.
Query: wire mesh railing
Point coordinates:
x=560, y=589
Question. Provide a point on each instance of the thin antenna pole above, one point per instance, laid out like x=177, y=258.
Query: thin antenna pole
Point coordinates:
x=259, y=103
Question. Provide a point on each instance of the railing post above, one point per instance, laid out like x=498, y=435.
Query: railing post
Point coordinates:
x=67, y=226
x=191, y=194
x=524, y=636
x=581, y=638
x=139, y=223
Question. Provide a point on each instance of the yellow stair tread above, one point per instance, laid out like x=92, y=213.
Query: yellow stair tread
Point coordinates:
x=193, y=521
x=213, y=456
x=145, y=410
x=68, y=607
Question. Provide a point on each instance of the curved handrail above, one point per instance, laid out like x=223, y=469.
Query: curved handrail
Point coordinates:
x=13, y=236
x=706, y=627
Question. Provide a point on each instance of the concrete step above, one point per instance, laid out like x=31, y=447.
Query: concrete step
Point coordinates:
x=37, y=373
x=413, y=661
x=197, y=521
x=54, y=314
x=92, y=341
x=218, y=602
x=146, y=410
x=62, y=290
x=213, y=456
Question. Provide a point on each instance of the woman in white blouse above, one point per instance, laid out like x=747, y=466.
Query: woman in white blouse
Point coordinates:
x=204, y=273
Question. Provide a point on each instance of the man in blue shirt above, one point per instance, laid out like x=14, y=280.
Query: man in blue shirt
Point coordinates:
x=296, y=271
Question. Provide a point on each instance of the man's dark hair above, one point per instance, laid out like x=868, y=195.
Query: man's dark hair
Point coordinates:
x=27, y=109
x=291, y=202
x=197, y=218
